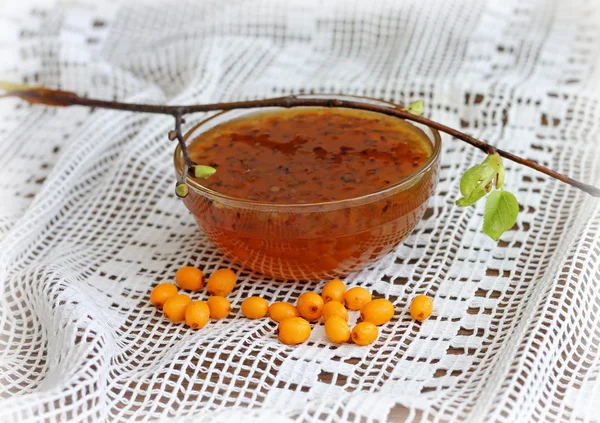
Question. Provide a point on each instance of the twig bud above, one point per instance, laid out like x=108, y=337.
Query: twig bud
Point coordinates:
x=181, y=190
x=416, y=108
x=201, y=171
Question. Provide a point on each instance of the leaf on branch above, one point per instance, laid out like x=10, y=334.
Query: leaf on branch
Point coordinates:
x=478, y=180
x=36, y=94
x=501, y=211
x=501, y=207
x=475, y=183
x=473, y=178
x=201, y=171
x=472, y=198
x=416, y=107
x=494, y=161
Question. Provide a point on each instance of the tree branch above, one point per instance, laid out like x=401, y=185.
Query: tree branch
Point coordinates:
x=47, y=96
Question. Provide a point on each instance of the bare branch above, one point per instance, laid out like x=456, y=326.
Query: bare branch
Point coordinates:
x=41, y=95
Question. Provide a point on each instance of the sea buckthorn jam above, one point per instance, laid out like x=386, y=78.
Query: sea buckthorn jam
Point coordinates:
x=333, y=178
x=310, y=156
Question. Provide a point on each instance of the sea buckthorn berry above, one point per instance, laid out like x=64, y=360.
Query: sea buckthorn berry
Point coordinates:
x=293, y=330
x=279, y=311
x=190, y=278
x=364, y=333
x=337, y=330
x=220, y=307
x=378, y=311
x=334, y=290
x=162, y=293
x=221, y=282
x=356, y=298
x=310, y=305
x=420, y=307
x=197, y=314
x=174, y=308
x=255, y=307
x=334, y=308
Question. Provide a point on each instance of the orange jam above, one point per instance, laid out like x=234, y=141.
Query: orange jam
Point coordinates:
x=319, y=190
x=309, y=156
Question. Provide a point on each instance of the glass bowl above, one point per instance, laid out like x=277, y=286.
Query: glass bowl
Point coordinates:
x=311, y=241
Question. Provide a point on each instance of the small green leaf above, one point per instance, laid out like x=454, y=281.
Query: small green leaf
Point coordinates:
x=494, y=161
x=474, y=184
x=201, y=171
x=471, y=179
x=478, y=180
x=416, y=107
x=472, y=198
x=181, y=190
x=501, y=211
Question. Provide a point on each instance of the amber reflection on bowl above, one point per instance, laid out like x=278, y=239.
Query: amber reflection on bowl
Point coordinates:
x=311, y=241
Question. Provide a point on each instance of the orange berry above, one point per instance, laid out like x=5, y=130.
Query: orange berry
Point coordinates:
x=293, y=330
x=378, y=311
x=255, y=307
x=364, y=333
x=162, y=293
x=279, y=311
x=197, y=314
x=356, y=298
x=220, y=307
x=334, y=308
x=190, y=278
x=421, y=307
x=174, y=308
x=337, y=329
x=310, y=305
x=334, y=290
x=221, y=282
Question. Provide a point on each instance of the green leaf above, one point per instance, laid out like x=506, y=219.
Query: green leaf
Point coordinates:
x=501, y=211
x=472, y=198
x=478, y=180
x=472, y=178
x=475, y=183
x=416, y=107
x=201, y=171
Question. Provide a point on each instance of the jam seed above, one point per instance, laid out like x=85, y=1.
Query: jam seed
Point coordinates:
x=348, y=177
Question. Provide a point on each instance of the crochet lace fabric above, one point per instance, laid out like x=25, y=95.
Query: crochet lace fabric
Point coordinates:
x=89, y=223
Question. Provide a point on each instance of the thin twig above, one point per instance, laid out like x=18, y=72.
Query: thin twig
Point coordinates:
x=66, y=98
x=187, y=161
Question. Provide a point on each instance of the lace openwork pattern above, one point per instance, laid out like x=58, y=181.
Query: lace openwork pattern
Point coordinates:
x=89, y=223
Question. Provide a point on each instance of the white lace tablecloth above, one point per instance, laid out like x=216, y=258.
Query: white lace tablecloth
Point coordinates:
x=84, y=235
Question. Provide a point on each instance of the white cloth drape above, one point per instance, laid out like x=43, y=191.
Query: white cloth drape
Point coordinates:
x=84, y=234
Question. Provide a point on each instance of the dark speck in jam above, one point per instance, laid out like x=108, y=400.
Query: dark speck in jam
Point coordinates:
x=333, y=154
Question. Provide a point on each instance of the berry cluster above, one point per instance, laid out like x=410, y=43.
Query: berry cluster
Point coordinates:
x=294, y=320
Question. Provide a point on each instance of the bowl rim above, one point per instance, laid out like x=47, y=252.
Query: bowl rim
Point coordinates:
x=402, y=183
